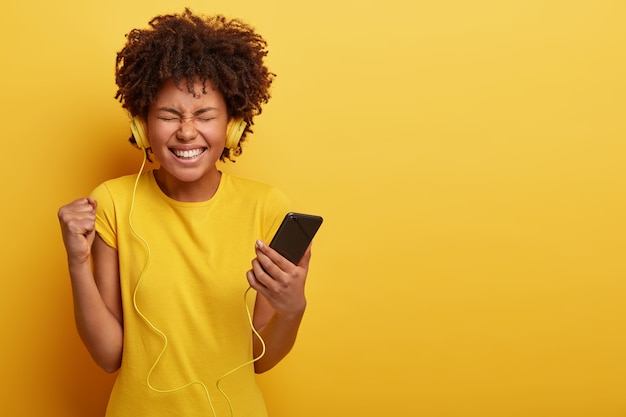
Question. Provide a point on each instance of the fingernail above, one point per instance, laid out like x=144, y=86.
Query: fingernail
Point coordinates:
x=259, y=244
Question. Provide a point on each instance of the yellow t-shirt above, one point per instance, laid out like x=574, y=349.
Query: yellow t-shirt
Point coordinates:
x=182, y=274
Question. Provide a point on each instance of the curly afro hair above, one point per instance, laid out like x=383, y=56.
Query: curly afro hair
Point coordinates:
x=226, y=52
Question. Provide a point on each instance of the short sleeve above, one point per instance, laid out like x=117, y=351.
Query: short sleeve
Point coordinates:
x=276, y=207
x=106, y=224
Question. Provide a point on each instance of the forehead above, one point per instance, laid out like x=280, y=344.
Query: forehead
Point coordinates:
x=178, y=95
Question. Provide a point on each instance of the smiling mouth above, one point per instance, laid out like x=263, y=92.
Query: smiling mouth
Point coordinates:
x=188, y=154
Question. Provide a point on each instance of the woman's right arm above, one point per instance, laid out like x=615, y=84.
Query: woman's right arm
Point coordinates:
x=96, y=291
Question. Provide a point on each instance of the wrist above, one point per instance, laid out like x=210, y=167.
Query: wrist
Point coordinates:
x=294, y=314
x=78, y=264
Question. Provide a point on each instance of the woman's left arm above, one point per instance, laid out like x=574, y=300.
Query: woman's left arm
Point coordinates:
x=280, y=303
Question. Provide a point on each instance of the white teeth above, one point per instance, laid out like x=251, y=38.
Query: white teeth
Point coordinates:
x=188, y=154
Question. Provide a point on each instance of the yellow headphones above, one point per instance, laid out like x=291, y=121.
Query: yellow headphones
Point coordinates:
x=234, y=130
x=138, y=128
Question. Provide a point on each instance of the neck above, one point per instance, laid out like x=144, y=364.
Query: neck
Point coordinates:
x=202, y=189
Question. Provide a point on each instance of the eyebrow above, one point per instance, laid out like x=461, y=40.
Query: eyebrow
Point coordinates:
x=178, y=113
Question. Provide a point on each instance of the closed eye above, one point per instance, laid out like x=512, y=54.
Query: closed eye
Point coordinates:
x=168, y=114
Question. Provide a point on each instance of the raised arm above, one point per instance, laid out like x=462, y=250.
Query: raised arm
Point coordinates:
x=280, y=303
x=96, y=291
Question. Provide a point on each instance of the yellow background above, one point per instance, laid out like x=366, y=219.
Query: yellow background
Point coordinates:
x=468, y=158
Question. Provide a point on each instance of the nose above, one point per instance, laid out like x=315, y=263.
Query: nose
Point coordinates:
x=187, y=130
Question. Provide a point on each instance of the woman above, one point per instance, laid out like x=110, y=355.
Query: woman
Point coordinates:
x=160, y=262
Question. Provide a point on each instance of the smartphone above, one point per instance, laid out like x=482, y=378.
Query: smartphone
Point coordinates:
x=295, y=234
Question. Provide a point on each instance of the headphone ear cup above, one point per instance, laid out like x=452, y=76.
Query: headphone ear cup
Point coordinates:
x=138, y=128
x=234, y=130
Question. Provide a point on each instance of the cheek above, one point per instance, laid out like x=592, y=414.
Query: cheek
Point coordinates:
x=162, y=138
x=161, y=154
x=215, y=136
x=163, y=131
x=159, y=142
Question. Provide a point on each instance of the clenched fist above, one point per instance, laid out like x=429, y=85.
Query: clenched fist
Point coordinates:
x=78, y=225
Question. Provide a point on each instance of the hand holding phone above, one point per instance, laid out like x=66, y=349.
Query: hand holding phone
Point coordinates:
x=295, y=234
